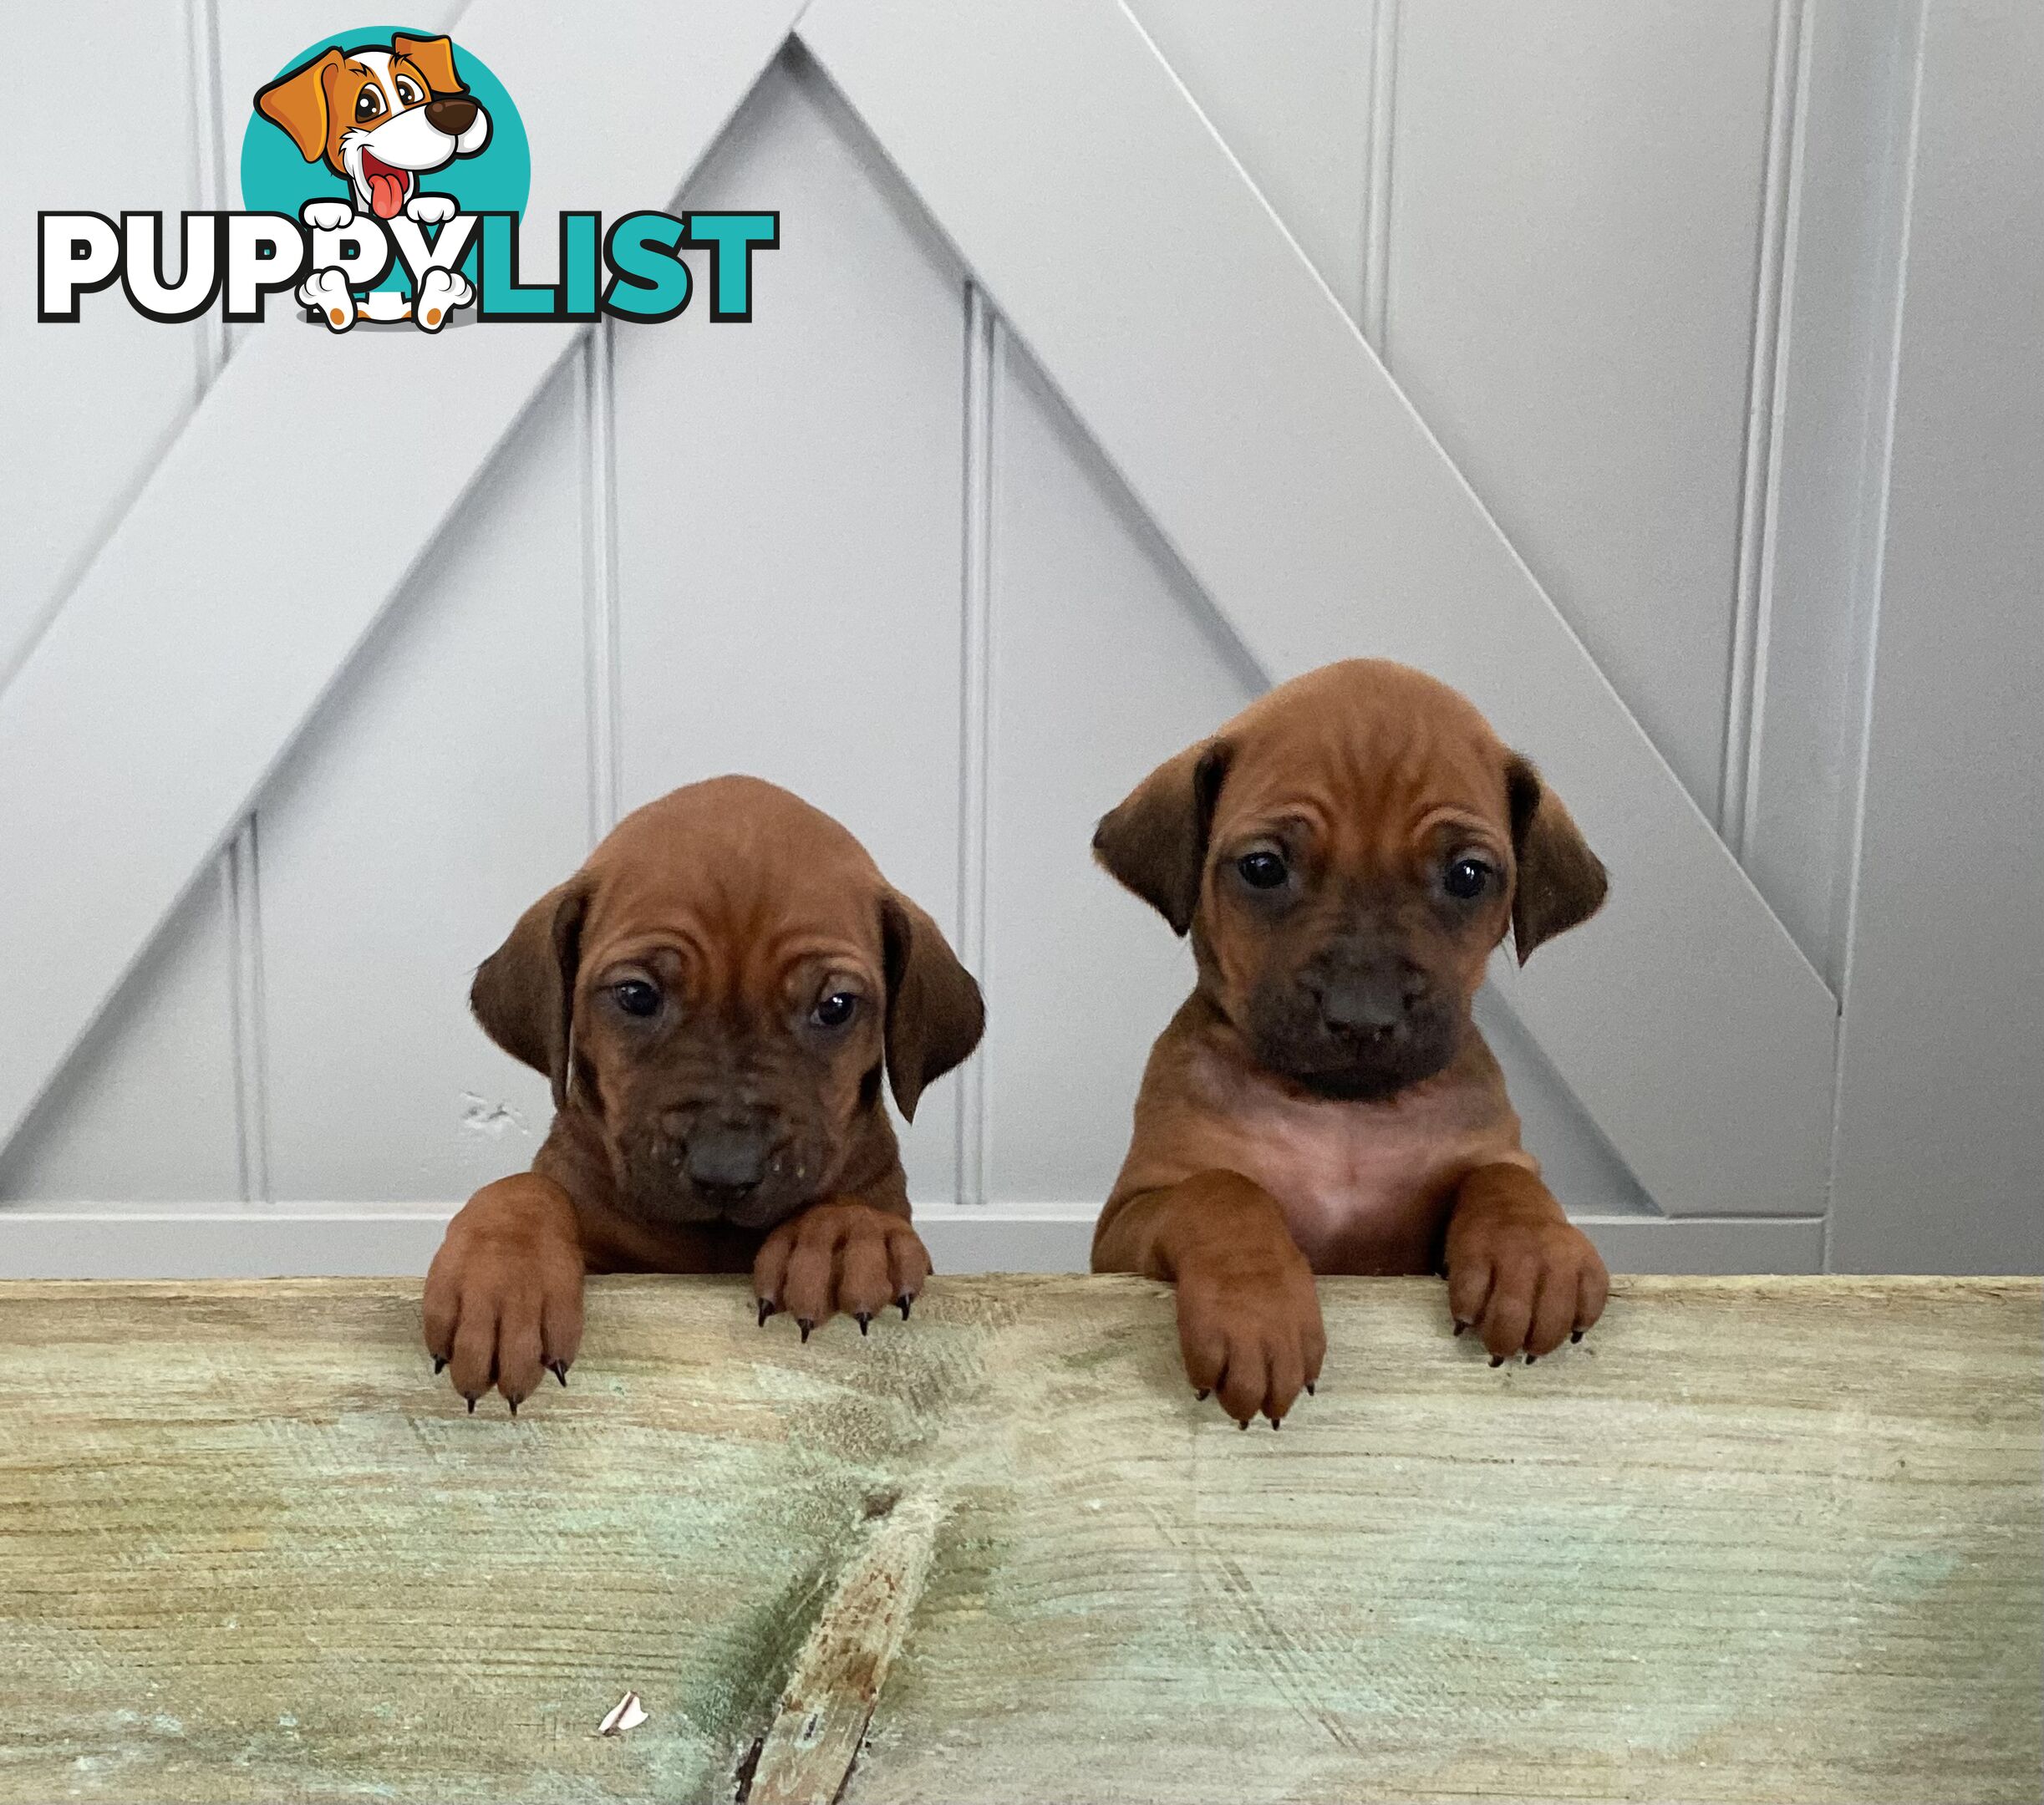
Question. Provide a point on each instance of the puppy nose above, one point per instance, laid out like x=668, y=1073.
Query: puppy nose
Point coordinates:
x=726, y=1160
x=1370, y=1004
x=452, y=113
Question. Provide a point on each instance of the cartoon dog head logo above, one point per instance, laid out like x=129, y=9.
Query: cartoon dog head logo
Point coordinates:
x=381, y=116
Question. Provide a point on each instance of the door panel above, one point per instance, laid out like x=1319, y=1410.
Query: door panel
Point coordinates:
x=1575, y=215
x=789, y=518
x=442, y=789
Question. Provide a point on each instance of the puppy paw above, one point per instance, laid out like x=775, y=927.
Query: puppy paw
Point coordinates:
x=1525, y=1280
x=431, y=209
x=835, y=1258
x=1250, y=1332
x=325, y=215
x=326, y=292
x=440, y=291
x=503, y=1300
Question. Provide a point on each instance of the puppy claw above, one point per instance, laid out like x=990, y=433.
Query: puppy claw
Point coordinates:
x=513, y=1402
x=1574, y=1335
x=863, y=1317
x=904, y=1300
x=1276, y=1424
x=1531, y=1357
x=1202, y=1395
x=1497, y=1360
x=1461, y=1328
x=472, y=1407
x=559, y=1369
x=806, y=1326
x=1311, y=1392
x=439, y=1364
x=1243, y=1424
x=767, y=1309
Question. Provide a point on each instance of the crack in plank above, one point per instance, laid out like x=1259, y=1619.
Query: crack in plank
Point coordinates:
x=806, y=1756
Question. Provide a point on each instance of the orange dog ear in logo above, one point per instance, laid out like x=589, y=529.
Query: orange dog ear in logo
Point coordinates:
x=434, y=59
x=297, y=102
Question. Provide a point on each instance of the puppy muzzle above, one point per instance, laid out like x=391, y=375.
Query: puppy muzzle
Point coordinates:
x=1357, y=1027
x=747, y=1168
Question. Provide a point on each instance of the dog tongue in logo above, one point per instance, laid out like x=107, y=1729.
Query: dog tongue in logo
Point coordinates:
x=387, y=186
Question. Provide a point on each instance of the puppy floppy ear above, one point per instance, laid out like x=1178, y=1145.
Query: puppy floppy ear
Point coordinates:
x=1155, y=841
x=935, y=1016
x=297, y=103
x=435, y=58
x=524, y=993
x=1561, y=881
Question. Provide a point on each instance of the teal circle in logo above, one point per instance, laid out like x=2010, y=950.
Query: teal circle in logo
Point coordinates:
x=276, y=178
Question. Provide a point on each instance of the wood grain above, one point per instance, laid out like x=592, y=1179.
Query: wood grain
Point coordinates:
x=1776, y=1539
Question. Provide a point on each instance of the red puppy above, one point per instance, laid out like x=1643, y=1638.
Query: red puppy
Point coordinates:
x=1345, y=853
x=714, y=996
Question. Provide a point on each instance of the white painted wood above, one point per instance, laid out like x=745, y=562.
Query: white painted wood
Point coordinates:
x=789, y=518
x=1301, y=492
x=1834, y=362
x=440, y=790
x=167, y=659
x=1575, y=197
x=89, y=407
x=1941, y=1108
x=1106, y=660
x=149, y=1114
x=1289, y=90
x=114, y=1241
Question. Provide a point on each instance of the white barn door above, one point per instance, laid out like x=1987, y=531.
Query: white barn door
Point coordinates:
x=1112, y=366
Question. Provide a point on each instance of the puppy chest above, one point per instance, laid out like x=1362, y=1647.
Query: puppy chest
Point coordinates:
x=1368, y=1196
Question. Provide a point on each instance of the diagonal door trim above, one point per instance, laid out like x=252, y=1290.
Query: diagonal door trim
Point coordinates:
x=1221, y=379
x=166, y=660
x=1165, y=302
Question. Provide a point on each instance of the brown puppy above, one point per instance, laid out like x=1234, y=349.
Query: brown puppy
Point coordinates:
x=1345, y=852
x=714, y=996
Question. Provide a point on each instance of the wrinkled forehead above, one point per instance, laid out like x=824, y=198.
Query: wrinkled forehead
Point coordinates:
x=1365, y=765
x=746, y=906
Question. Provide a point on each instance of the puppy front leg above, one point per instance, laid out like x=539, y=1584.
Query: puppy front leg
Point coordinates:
x=503, y=1299
x=843, y=1255
x=1250, y=1324
x=1519, y=1272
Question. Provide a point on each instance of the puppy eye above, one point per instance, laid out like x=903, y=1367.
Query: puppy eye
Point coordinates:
x=1467, y=879
x=368, y=104
x=408, y=92
x=836, y=1009
x=1262, y=870
x=636, y=997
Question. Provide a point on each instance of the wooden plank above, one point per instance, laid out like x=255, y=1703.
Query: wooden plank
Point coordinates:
x=1778, y=1539
x=166, y=661
x=1943, y=1073
x=1167, y=305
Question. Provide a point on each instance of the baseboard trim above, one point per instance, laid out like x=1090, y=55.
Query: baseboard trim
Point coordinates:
x=363, y=1240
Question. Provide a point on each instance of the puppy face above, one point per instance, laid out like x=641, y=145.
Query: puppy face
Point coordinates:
x=381, y=117
x=1346, y=853
x=719, y=992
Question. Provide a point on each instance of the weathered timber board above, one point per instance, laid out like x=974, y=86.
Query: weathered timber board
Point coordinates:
x=1756, y=1539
